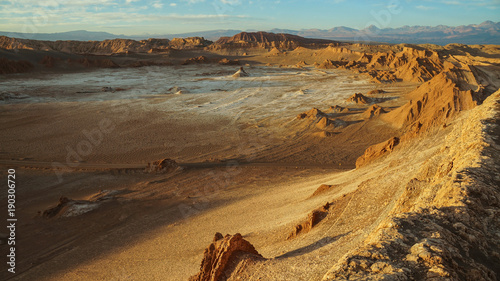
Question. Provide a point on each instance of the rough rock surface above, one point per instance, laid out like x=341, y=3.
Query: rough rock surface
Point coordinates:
x=412, y=64
x=188, y=43
x=338, y=109
x=327, y=123
x=376, y=92
x=162, y=166
x=312, y=114
x=223, y=253
x=359, y=99
x=439, y=100
x=269, y=40
x=324, y=188
x=376, y=151
x=312, y=220
x=373, y=111
x=240, y=73
x=196, y=60
x=444, y=226
x=69, y=208
x=226, y=61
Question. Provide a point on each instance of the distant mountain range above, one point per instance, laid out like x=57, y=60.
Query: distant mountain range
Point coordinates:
x=487, y=32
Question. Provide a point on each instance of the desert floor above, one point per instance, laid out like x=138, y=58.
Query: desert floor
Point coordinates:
x=247, y=165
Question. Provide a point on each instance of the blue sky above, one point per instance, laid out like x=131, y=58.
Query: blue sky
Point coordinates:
x=132, y=17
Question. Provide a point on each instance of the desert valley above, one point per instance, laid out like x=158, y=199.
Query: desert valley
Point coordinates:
x=260, y=156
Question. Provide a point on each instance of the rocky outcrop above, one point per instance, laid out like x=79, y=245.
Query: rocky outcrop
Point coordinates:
x=312, y=114
x=324, y=188
x=375, y=92
x=189, y=43
x=312, y=220
x=398, y=64
x=325, y=123
x=196, y=60
x=435, y=103
x=223, y=254
x=162, y=166
x=382, y=76
x=376, y=151
x=416, y=65
x=226, y=61
x=329, y=64
x=240, y=73
x=438, y=101
x=359, y=98
x=373, y=111
x=269, y=40
x=70, y=208
x=338, y=109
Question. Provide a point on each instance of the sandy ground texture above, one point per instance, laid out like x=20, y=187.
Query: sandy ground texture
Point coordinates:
x=245, y=161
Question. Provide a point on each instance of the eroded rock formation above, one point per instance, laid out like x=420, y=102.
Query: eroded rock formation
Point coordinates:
x=443, y=225
x=376, y=151
x=269, y=40
x=162, y=166
x=223, y=253
x=312, y=220
x=373, y=111
x=359, y=99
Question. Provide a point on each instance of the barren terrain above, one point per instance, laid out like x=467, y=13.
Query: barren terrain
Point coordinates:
x=333, y=162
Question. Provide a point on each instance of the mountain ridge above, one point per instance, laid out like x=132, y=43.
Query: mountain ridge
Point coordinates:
x=487, y=32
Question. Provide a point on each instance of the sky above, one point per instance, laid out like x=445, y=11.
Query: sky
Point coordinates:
x=138, y=17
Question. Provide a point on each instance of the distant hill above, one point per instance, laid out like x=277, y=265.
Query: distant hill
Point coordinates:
x=487, y=32
x=80, y=35
x=83, y=35
x=212, y=35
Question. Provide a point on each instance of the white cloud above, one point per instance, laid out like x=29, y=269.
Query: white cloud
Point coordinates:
x=425, y=8
x=193, y=1
x=173, y=4
x=231, y=2
x=157, y=5
x=472, y=2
